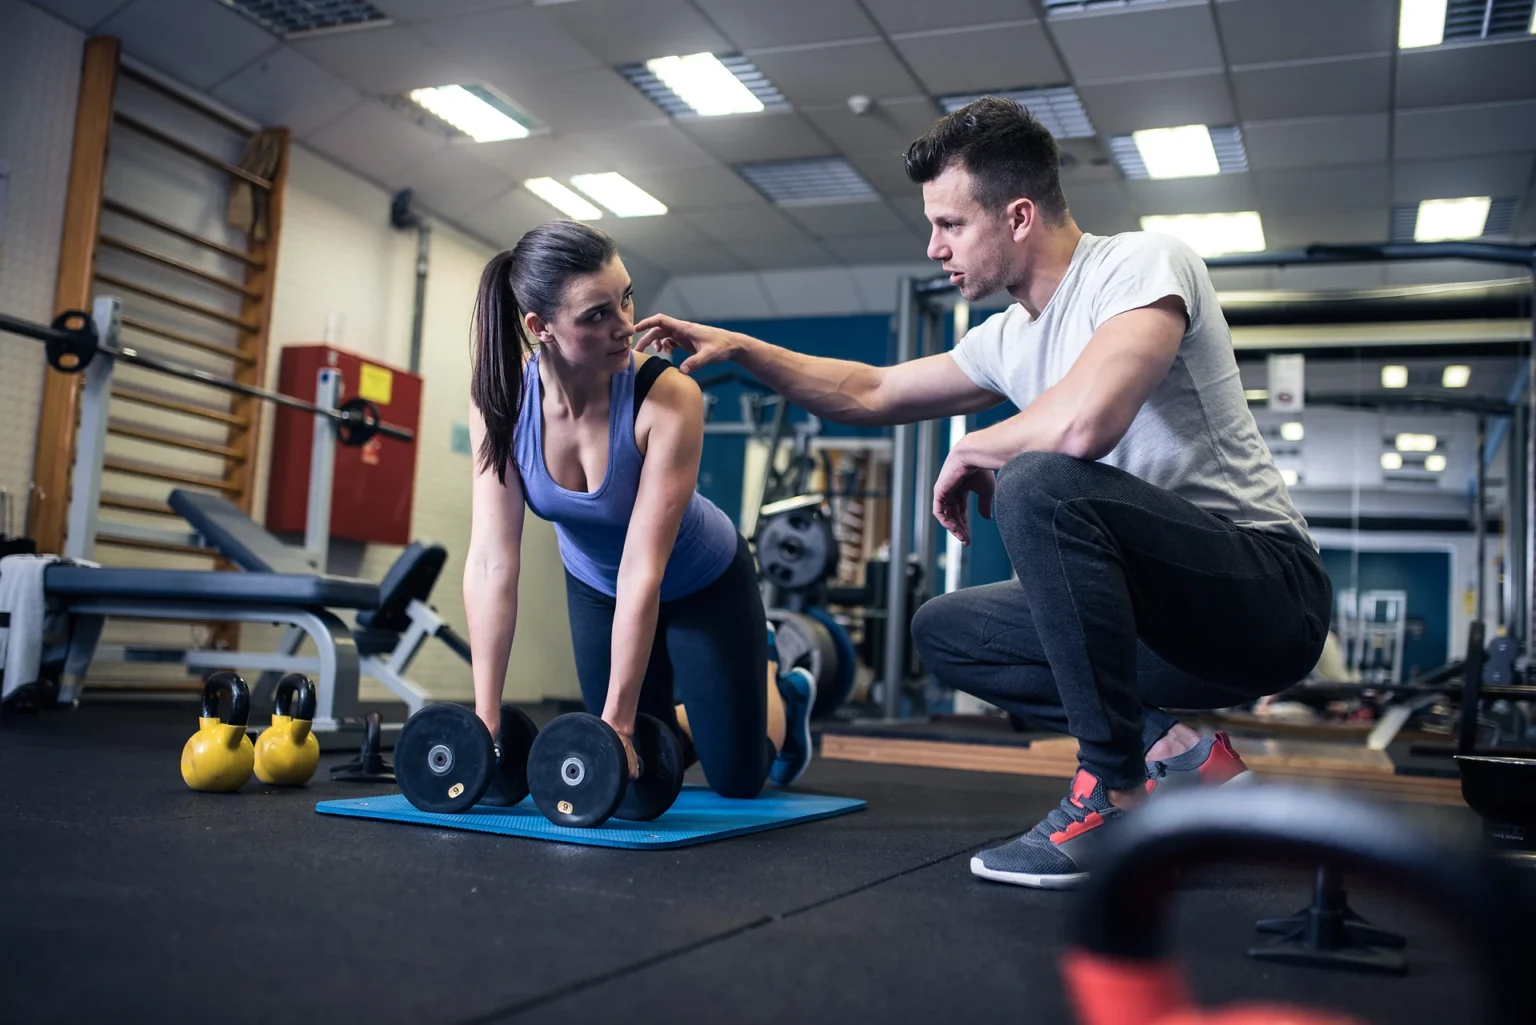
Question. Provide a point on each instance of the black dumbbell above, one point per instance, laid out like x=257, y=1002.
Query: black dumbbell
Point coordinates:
x=579, y=776
x=446, y=762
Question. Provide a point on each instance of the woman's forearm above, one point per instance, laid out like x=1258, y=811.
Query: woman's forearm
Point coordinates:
x=490, y=605
x=634, y=629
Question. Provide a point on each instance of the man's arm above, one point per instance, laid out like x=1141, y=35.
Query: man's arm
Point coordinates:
x=839, y=390
x=1085, y=414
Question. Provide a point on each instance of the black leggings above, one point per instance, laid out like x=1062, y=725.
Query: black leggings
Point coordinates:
x=710, y=653
x=1129, y=600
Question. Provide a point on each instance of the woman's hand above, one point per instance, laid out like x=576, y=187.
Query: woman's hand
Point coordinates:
x=705, y=344
x=626, y=732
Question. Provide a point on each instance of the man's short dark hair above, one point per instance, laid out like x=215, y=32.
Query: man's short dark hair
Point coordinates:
x=1007, y=151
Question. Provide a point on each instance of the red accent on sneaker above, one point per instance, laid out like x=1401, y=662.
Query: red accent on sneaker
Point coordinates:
x=1082, y=786
x=1222, y=764
x=1093, y=821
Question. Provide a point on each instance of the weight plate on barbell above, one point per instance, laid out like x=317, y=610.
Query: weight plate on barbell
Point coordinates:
x=509, y=781
x=444, y=759
x=577, y=771
x=797, y=549
x=661, y=772
x=362, y=423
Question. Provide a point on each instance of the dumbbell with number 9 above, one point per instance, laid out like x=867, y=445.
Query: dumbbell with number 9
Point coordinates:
x=446, y=762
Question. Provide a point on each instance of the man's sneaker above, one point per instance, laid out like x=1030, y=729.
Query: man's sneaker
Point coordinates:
x=1053, y=855
x=798, y=689
x=1210, y=763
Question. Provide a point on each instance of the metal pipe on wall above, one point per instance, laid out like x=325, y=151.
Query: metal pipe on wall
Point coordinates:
x=924, y=526
x=1516, y=477
x=901, y=517
x=1480, y=510
x=1528, y=623
x=954, y=551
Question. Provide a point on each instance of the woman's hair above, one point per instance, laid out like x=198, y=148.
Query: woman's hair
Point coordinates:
x=528, y=278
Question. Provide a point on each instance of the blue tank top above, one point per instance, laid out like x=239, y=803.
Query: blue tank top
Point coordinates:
x=591, y=525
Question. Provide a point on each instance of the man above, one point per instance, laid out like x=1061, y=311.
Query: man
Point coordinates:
x=1160, y=561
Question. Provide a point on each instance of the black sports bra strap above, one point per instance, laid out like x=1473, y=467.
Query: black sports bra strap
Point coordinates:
x=645, y=377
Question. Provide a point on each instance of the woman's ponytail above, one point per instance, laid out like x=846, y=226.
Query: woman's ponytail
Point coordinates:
x=496, y=375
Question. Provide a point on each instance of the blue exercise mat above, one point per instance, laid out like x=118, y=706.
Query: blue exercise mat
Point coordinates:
x=699, y=816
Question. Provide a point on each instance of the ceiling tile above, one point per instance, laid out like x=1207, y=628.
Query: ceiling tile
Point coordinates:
x=86, y=14
x=753, y=23
x=889, y=126
x=1465, y=131
x=453, y=184
x=1256, y=31
x=826, y=292
x=1321, y=190
x=659, y=147
x=1085, y=160
x=825, y=220
x=910, y=210
x=507, y=217
x=1114, y=44
x=1299, y=230
x=921, y=15
x=385, y=60
x=1123, y=107
x=741, y=138
x=761, y=223
x=1217, y=194
x=286, y=88
x=1103, y=209
x=195, y=41
x=586, y=101
x=430, y=10
x=1507, y=175
x=539, y=156
x=880, y=248
x=621, y=31
x=715, y=297
x=887, y=173
x=784, y=253
x=509, y=47
x=1316, y=142
x=698, y=188
x=1320, y=88
x=1467, y=73
x=831, y=74
x=373, y=139
x=984, y=59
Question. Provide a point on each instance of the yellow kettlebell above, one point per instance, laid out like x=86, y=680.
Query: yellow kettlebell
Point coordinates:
x=287, y=751
x=219, y=757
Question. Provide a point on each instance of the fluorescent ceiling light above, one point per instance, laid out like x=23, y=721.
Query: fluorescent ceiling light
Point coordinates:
x=562, y=199
x=1455, y=376
x=1421, y=23
x=1058, y=108
x=620, y=195
x=1394, y=377
x=1290, y=477
x=807, y=182
x=1256, y=394
x=1212, y=234
x=1391, y=461
x=1416, y=442
x=470, y=113
x=1443, y=219
x=1435, y=463
x=1183, y=152
x=1292, y=431
x=706, y=85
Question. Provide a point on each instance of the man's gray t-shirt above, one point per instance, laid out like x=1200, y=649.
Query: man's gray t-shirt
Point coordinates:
x=1195, y=436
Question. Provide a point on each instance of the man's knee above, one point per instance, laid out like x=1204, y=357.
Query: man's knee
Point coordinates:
x=932, y=624
x=1031, y=475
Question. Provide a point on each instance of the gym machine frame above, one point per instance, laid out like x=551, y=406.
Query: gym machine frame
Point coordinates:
x=919, y=315
x=92, y=348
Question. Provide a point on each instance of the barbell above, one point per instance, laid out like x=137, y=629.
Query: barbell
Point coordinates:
x=72, y=342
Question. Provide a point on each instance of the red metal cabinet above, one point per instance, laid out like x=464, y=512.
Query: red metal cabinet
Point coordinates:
x=373, y=485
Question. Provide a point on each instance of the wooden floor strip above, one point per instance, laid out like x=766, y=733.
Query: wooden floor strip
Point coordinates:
x=1309, y=762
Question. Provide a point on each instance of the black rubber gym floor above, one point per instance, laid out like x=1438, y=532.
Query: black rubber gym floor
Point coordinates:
x=124, y=896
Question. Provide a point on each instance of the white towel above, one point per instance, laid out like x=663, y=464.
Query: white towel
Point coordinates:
x=24, y=617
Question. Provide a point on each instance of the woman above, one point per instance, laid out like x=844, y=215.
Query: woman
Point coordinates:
x=605, y=443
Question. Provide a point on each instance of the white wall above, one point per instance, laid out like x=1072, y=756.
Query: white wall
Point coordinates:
x=39, y=80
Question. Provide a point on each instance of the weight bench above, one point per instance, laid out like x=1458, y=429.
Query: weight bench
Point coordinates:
x=301, y=601
x=389, y=632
